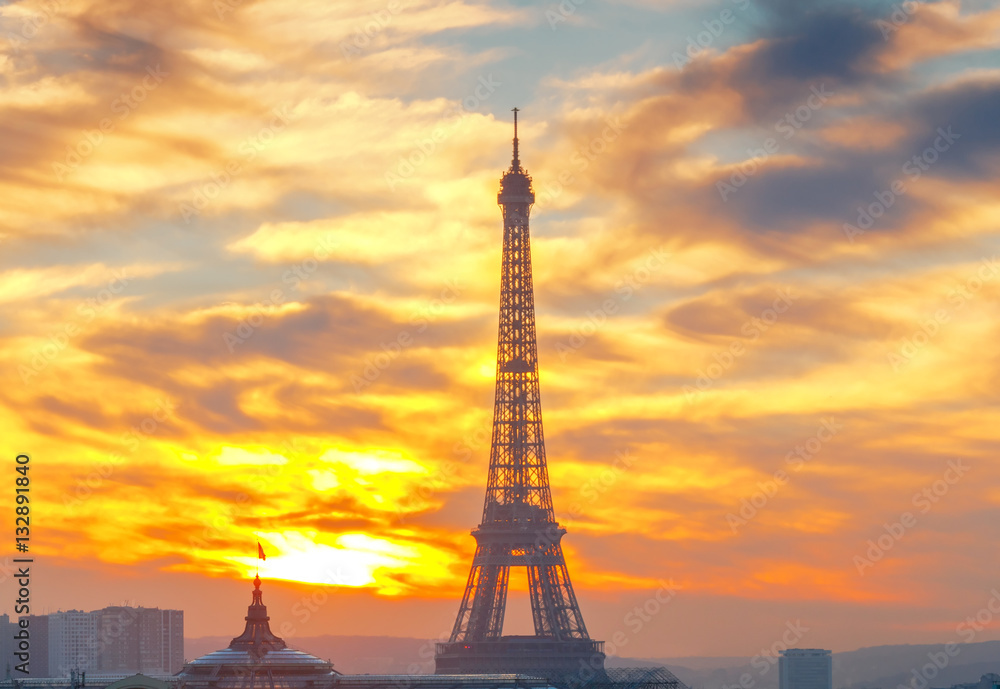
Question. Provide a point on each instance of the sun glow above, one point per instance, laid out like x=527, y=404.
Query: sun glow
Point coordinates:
x=352, y=559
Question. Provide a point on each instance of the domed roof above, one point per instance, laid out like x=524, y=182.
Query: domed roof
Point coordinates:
x=256, y=659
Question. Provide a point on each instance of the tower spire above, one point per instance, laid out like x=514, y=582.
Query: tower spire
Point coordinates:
x=515, y=163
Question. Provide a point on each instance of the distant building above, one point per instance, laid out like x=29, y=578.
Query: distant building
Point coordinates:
x=72, y=642
x=7, y=642
x=805, y=668
x=117, y=640
x=38, y=629
x=990, y=680
x=146, y=640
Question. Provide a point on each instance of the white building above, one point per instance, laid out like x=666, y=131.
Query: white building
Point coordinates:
x=72, y=642
x=805, y=668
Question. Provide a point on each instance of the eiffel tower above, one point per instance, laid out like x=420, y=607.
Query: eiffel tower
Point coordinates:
x=518, y=528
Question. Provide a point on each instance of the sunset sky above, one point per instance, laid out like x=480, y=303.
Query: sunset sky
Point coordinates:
x=249, y=278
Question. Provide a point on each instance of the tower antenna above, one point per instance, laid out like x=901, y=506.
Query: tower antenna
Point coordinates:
x=516, y=163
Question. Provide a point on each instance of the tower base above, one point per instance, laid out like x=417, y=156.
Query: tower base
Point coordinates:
x=523, y=655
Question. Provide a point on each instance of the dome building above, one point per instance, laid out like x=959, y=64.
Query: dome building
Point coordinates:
x=257, y=659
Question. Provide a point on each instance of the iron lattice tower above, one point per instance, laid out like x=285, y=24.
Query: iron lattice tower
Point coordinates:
x=518, y=527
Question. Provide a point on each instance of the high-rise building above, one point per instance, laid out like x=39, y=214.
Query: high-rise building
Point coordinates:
x=38, y=665
x=805, y=668
x=146, y=640
x=172, y=640
x=117, y=639
x=72, y=642
x=7, y=646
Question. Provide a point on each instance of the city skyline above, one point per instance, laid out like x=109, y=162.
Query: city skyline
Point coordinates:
x=250, y=256
x=113, y=639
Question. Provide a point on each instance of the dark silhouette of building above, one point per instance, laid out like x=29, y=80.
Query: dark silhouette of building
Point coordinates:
x=256, y=659
x=7, y=646
x=38, y=628
x=990, y=680
x=805, y=668
x=518, y=527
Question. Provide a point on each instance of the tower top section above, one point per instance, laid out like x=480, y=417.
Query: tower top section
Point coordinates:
x=515, y=185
